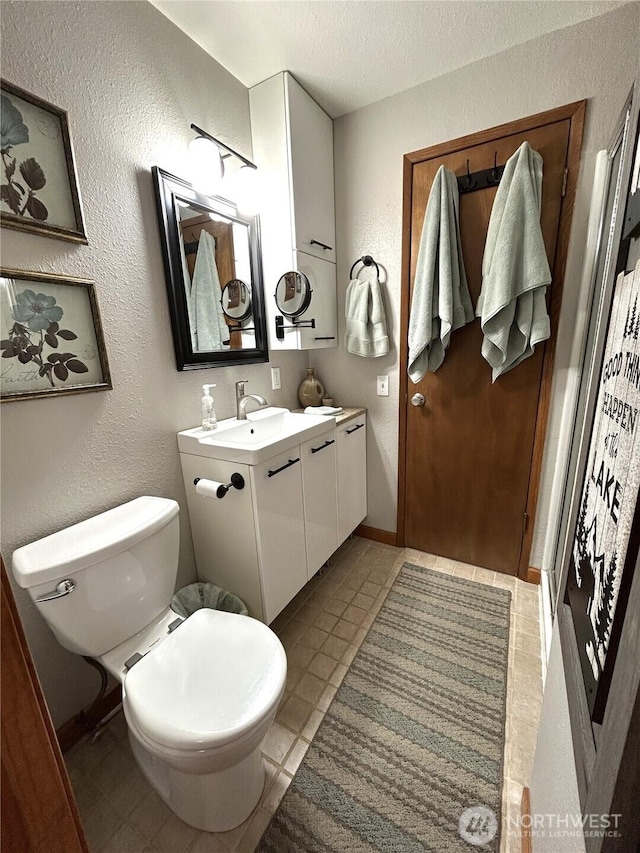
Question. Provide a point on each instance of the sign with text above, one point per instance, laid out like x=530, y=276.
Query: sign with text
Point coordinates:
x=600, y=555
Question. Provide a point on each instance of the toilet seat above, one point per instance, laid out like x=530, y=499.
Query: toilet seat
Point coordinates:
x=207, y=685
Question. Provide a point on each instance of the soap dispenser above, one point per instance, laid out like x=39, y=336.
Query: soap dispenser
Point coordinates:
x=209, y=420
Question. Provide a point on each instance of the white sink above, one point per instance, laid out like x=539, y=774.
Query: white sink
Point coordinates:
x=264, y=434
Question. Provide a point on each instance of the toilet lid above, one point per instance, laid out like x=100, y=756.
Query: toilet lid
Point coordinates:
x=210, y=681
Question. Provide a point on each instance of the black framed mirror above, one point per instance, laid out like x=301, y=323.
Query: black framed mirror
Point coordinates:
x=214, y=277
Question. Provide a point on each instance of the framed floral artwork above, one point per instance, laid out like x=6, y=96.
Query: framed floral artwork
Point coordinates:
x=39, y=191
x=51, y=334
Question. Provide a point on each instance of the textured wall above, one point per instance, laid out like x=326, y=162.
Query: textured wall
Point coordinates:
x=595, y=60
x=553, y=784
x=132, y=83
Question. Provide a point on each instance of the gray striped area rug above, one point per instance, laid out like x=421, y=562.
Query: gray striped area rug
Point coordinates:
x=409, y=755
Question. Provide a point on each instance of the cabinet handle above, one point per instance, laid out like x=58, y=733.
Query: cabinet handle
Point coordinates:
x=322, y=446
x=324, y=338
x=355, y=429
x=322, y=245
x=282, y=467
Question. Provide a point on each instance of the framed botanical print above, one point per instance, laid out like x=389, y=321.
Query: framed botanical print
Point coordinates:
x=39, y=190
x=52, y=340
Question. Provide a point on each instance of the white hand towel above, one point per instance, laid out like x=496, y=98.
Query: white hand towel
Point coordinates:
x=366, y=322
x=440, y=302
x=323, y=410
x=211, y=329
x=515, y=270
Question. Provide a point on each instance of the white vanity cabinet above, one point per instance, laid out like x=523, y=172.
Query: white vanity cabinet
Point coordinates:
x=351, y=441
x=319, y=488
x=292, y=140
x=264, y=541
x=280, y=527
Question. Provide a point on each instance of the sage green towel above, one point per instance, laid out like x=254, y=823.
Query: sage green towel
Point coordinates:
x=211, y=330
x=366, y=321
x=440, y=302
x=515, y=270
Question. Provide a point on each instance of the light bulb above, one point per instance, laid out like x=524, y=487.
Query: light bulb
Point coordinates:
x=245, y=189
x=206, y=165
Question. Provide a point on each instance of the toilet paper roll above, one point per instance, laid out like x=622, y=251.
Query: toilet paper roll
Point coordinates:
x=210, y=488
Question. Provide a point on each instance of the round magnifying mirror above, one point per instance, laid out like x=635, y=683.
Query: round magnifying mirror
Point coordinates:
x=236, y=299
x=293, y=294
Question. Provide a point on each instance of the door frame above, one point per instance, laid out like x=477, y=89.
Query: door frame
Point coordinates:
x=575, y=113
x=42, y=816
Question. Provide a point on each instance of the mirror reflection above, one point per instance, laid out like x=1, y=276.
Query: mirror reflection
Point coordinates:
x=236, y=299
x=216, y=251
x=213, y=273
x=293, y=294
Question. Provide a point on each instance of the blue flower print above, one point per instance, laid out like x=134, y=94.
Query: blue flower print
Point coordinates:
x=37, y=311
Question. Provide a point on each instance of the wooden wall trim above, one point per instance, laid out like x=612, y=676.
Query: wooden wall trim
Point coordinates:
x=38, y=807
x=407, y=204
x=525, y=821
x=534, y=575
x=387, y=537
x=521, y=125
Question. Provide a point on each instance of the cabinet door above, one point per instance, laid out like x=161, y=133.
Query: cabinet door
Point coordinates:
x=323, y=306
x=280, y=526
x=319, y=487
x=352, y=475
x=311, y=153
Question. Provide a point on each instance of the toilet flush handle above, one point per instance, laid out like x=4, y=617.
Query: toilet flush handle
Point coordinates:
x=63, y=588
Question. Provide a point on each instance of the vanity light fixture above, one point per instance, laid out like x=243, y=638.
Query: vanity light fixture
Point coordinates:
x=208, y=156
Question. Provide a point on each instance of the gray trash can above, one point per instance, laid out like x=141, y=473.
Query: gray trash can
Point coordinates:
x=198, y=595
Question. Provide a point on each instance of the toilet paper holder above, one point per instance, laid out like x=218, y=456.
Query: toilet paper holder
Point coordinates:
x=237, y=482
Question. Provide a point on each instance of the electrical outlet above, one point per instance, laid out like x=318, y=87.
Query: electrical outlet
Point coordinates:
x=383, y=386
x=276, y=383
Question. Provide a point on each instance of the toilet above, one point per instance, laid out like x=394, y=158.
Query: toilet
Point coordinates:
x=199, y=694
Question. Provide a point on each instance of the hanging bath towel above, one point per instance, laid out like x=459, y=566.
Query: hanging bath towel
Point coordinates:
x=211, y=330
x=440, y=302
x=515, y=270
x=366, y=322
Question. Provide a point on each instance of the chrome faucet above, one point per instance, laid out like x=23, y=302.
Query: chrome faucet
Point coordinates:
x=242, y=400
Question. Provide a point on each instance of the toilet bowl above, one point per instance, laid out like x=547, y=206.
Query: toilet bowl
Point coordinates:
x=199, y=694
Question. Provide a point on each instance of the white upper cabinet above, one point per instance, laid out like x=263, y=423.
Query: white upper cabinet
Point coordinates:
x=322, y=308
x=311, y=165
x=293, y=150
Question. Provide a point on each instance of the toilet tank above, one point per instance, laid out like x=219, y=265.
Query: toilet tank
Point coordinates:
x=123, y=563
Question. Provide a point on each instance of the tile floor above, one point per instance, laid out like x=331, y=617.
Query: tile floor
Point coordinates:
x=321, y=629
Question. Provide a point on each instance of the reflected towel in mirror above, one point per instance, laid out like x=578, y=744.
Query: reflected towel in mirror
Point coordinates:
x=209, y=330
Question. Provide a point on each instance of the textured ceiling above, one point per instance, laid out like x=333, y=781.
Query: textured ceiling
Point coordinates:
x=350, y=53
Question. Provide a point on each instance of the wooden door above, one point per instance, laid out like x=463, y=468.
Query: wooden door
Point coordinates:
x=472, y=453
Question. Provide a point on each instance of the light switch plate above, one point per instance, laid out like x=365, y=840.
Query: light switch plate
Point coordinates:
x=276, y=383
x=383, y=386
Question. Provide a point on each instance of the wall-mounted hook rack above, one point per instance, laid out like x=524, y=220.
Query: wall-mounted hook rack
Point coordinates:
x=472, y=181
